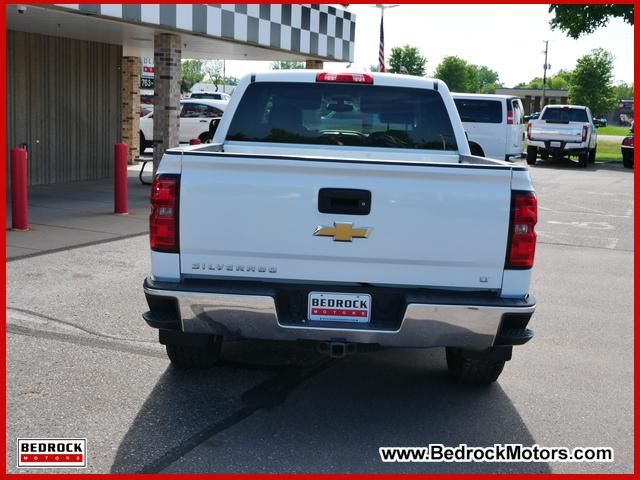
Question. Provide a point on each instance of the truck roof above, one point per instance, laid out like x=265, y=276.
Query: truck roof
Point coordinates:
x=488, y=96
x=581, y=107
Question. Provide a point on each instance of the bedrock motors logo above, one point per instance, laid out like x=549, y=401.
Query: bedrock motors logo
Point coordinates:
x=52, y=452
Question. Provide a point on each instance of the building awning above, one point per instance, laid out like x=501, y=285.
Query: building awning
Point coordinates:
x=230, y=31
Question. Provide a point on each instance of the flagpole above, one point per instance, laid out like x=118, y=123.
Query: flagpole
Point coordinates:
x=381, y=58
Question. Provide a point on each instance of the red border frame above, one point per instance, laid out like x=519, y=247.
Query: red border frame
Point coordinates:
x=3, y=140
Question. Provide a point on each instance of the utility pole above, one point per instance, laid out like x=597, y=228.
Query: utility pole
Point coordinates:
x=544, y=74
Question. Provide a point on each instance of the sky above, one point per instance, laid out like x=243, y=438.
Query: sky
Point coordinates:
x=506, y=38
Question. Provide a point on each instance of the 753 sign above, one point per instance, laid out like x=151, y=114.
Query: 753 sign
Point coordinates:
x=146, y=82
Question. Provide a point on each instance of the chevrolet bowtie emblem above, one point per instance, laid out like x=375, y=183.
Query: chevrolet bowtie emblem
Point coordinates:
x=342, y=232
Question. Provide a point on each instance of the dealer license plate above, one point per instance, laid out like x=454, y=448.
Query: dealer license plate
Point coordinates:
x=339, y=307
x=556, y=144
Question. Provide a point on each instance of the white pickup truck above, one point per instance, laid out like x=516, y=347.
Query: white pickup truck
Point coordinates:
x=561, y=131
x=346, y=210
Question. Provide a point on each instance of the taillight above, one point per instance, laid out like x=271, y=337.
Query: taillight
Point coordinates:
x=627, y=141
x=522, y=237
x=344, y=77
x=163, y=221
x=585, y=132
x=509, y=117
x=529, y=130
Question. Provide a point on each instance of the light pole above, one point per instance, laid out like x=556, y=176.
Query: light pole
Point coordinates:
x=544, y=74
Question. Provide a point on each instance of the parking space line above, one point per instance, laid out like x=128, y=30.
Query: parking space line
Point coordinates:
x=607, y=243
x=585, y=225
x=629, y=213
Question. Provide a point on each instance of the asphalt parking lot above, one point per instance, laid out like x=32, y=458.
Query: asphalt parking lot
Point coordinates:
x=82, y=363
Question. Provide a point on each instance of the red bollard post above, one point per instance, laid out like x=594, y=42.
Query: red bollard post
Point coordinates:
x=19, y=199
x=195, y=141
x=120, y=178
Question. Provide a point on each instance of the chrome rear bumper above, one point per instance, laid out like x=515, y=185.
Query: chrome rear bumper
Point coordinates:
x=423, y=324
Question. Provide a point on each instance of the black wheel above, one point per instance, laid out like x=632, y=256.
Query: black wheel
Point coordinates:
x=473, y=369
x=187, y=357
x=592, y=156
x=627, y=159
x=532, y=155
x=544, y=155
x=476, y=150
x=205, y=137
x=583, y=160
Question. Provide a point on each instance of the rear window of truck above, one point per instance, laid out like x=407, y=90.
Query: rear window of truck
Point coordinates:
x=343, y=114
x=479, y=111
x=565, y=115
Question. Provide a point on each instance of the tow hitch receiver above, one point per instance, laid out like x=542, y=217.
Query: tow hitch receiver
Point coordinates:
x=336, y=349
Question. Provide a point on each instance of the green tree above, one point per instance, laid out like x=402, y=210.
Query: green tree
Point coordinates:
x=623, y=91
x=591, y=82
x=559, y=81
x=408, y=57
x=455, y=72
x=482, y=79
x=214, y=71
x=576, y=20
x=287, y=65
x=190, y=73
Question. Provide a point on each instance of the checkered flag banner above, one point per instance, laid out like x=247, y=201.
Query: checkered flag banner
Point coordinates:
x=318, y=30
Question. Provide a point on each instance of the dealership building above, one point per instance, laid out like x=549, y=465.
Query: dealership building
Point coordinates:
x=74, y=70
x=532, y=98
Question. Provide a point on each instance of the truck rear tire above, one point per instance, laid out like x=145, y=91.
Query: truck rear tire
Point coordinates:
x=532, y=155
x=544, y=155
x=188, y=357
x=627, y=159
x=592, y=156
x=473, y=368
x=583, y=160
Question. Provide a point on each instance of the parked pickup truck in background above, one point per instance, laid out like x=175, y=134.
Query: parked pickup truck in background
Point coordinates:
x=346, y=210
x=561, y=131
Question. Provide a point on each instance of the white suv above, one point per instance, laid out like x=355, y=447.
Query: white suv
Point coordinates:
x=195, y=121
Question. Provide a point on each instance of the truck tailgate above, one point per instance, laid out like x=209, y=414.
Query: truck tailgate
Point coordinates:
x=429, y=225
x=570, y=132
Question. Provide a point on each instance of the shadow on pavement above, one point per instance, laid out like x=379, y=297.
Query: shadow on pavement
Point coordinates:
x=334, y=414
x=566, y=164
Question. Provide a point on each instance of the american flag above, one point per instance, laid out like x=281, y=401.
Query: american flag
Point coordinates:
x=381, y=50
